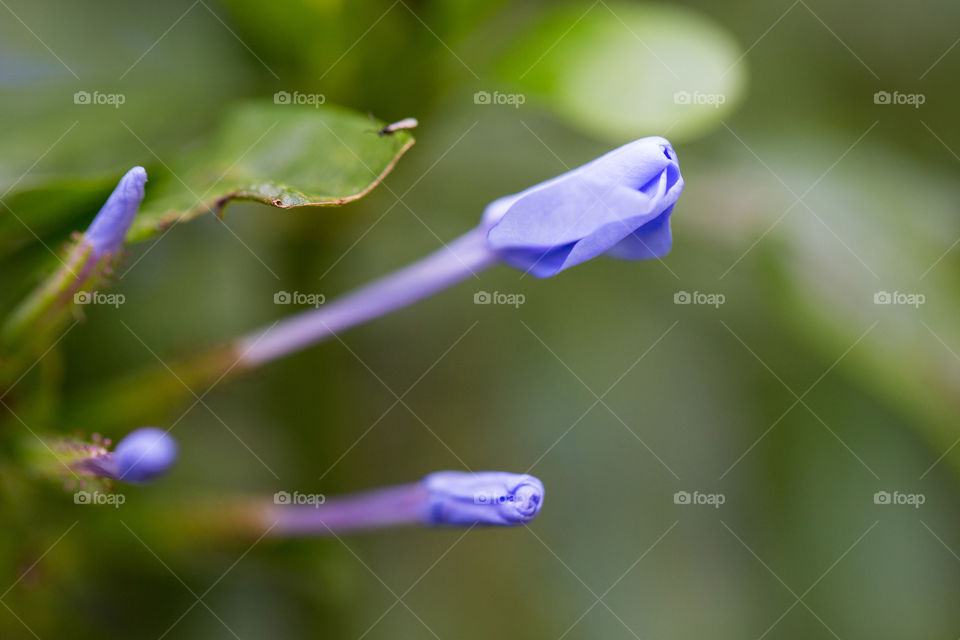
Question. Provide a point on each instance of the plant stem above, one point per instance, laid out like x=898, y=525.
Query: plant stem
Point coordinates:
x=143, y=397
x=376, y=509
x=460, y=259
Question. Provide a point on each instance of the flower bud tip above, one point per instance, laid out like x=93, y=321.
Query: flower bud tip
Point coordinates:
x=498, y=498
x=109, y=228
x=144, y=454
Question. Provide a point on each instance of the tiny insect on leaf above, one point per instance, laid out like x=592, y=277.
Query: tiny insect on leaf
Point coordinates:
x=406, y=123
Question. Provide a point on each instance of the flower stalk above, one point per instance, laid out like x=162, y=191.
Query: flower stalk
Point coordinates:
x=461, y=259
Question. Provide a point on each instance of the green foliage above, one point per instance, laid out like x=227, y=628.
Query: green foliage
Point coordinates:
x=622, y=71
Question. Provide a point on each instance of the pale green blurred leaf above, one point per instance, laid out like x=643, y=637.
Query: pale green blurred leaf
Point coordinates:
x=873, y=225
x=624, y=70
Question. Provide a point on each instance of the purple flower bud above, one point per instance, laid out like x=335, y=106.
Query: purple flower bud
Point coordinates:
x=144, y=454
x=444, y=498
x=618, y=205
x=109, y=228
x=460, y=498
x=141, y=456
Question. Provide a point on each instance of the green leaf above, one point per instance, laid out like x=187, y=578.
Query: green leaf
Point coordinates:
x=281, y=155
x=50, y=207
x=623, y=71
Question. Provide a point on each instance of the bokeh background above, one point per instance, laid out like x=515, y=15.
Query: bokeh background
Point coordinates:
x=797, y=399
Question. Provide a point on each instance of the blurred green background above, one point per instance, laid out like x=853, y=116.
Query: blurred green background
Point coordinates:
x=797, y=399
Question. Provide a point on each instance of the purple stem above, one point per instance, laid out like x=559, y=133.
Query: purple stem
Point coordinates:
x=460, y=259
x=393, y=506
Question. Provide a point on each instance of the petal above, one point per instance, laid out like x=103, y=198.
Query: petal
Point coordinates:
x=568, y=212
x=652, y=240
x=589, y=211
x=545, y=261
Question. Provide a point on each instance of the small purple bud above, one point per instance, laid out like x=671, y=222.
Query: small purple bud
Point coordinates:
x=109, y=228
x=618, y=205
x=460, y=498
x=143, y=455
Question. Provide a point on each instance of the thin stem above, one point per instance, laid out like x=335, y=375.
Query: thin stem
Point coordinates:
x=376, y=509
x=146, y=395
x=459, y=260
